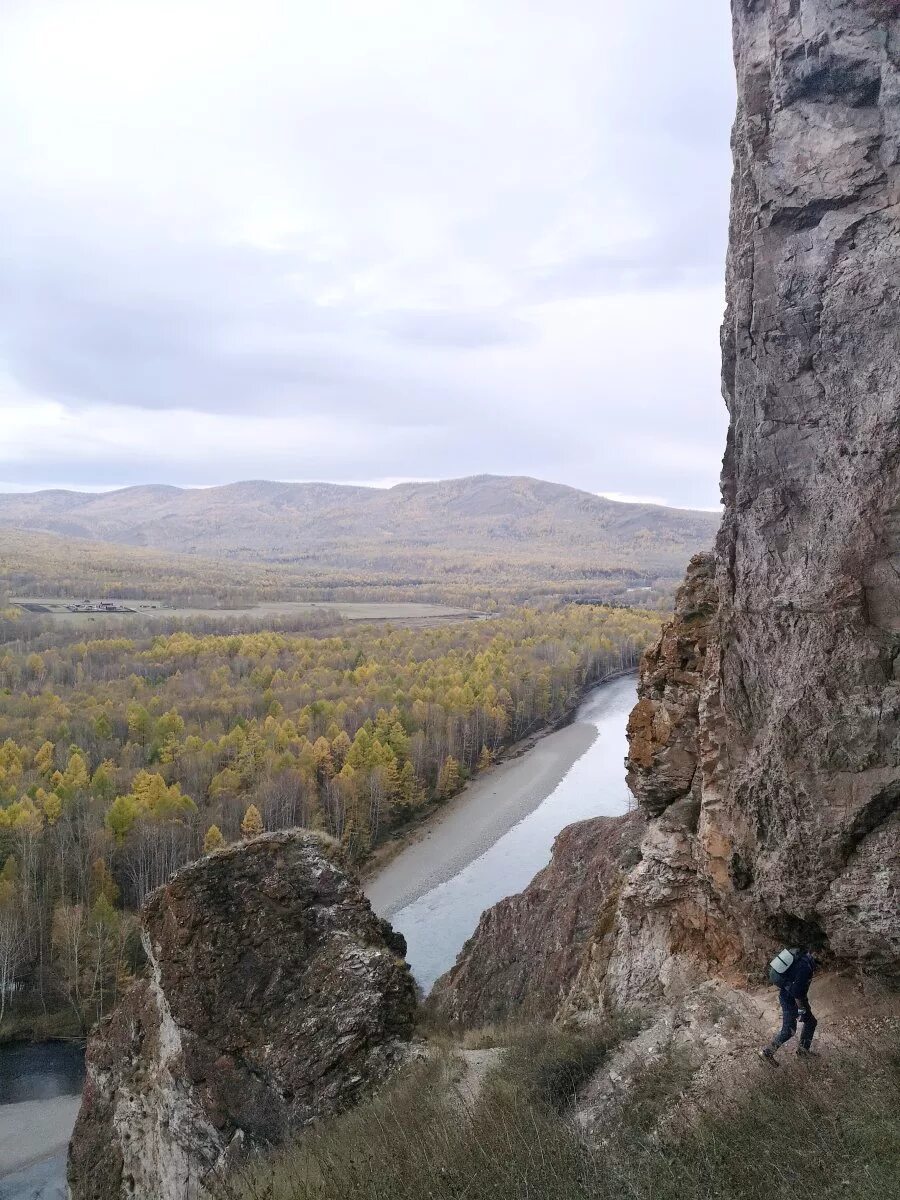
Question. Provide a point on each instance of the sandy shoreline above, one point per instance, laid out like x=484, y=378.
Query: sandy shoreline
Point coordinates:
x=480, y=815
x=381, y=858
x=35, y=1130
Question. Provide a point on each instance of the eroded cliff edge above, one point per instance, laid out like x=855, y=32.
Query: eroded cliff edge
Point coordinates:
x=765, y=747
x=274, y=995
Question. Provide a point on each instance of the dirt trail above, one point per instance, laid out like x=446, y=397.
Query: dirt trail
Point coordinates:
x=717, y=1031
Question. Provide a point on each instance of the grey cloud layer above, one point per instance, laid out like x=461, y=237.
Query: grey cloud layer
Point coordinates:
x=433, y=233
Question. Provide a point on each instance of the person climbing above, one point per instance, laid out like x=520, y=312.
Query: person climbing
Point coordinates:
x=793, y=970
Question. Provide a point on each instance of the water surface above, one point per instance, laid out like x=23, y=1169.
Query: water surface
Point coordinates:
x=40, y=1090
x=437, y=923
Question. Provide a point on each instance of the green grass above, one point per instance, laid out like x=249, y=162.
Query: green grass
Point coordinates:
x=823, y=1130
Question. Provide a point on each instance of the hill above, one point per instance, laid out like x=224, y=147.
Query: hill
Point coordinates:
x=515, y=527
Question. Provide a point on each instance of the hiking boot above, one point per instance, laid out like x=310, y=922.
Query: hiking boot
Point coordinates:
x=768, y=1054
x=807, y=1052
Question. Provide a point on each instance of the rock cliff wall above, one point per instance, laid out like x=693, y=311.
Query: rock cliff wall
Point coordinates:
x=792, y=725
x=527, y=950
x=808, y=558
x=274, y=995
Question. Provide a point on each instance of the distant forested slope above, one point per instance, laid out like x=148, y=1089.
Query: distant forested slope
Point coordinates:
x=525, y=536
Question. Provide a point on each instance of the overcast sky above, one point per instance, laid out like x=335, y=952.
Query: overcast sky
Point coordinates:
x=363, y=240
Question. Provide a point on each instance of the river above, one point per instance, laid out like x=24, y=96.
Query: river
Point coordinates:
x=487, y=844
x=499, y=833
x=40, y=1090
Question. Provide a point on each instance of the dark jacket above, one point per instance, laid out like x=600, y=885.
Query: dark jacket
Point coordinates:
x=801, y=977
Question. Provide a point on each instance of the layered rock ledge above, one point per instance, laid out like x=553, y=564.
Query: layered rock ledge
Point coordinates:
x=274, y=995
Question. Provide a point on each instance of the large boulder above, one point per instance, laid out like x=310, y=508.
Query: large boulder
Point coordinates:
x=273, y=996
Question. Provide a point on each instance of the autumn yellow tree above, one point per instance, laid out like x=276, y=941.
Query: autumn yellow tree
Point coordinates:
x=449, y=778
x=213, y=839
x=252, y=824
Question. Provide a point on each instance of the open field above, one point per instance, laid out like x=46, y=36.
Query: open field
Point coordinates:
x=81, y=610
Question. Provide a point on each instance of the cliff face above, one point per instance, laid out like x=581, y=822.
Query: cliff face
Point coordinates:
x=802, y=830
x=528, y=949
x=274, y=996
x=793, y=722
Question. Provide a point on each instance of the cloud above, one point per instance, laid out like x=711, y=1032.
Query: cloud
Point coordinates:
x=363, y=241
x=457, y=330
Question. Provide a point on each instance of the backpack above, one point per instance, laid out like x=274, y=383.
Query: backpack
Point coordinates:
x=781, y=968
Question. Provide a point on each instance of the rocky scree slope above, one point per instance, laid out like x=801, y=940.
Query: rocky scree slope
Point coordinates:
x=273, y=996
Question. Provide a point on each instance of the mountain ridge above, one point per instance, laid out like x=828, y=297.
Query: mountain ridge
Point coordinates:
x=335, y=524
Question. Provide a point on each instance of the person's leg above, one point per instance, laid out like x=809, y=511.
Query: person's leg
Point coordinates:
x=809, y=1023
x=788, y=1020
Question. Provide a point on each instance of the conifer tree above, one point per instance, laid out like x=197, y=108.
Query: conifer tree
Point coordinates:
x=252, y=824
x=449, y=778
x=214, y=839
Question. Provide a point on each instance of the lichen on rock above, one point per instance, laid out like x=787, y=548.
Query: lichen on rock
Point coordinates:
x=273, y=996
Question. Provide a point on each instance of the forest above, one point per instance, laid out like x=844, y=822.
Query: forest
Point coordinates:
x=124, y=757
x=44, y=564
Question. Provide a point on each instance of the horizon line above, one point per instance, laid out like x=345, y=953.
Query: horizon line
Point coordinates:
x=384, y=484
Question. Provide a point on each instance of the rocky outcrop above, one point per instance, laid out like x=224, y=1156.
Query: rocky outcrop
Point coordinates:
x=668, y=922
x=273, y=996
x=663, y=727
x=800, y=817
x=528, y=949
